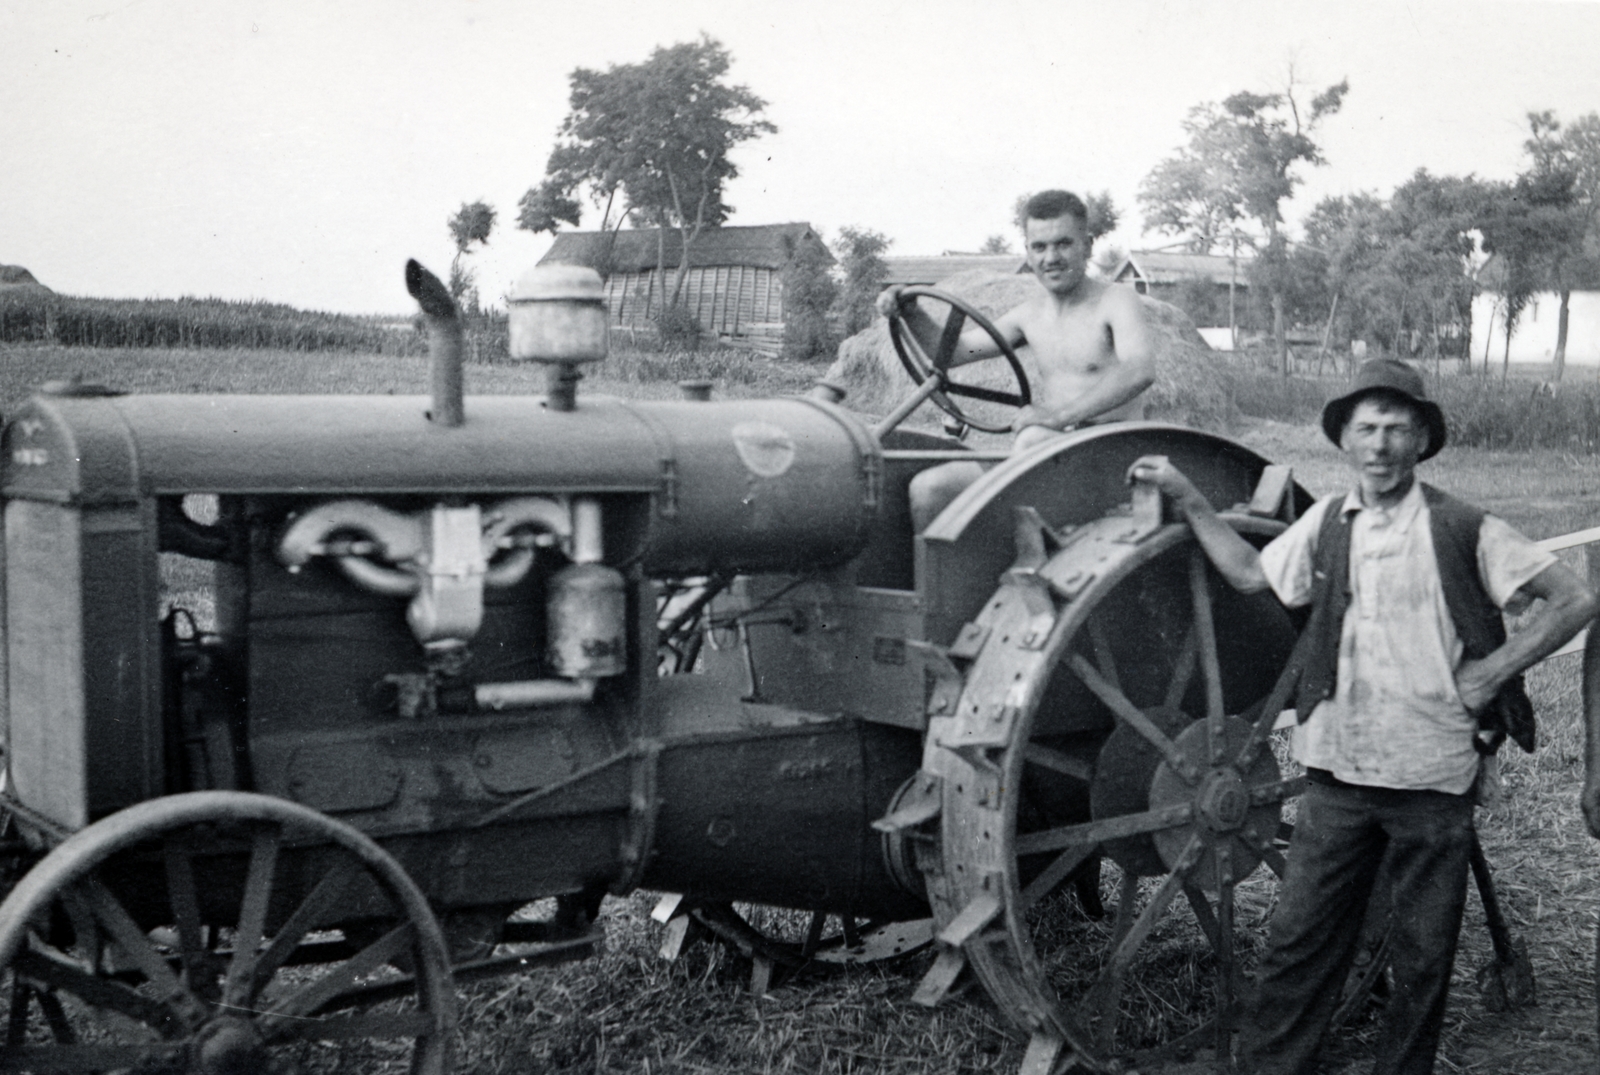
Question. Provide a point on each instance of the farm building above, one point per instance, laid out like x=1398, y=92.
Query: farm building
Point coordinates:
x=1533, y=340
x=735, y=281
x=926, y=271
x=1196, y=283
x=1153, y=272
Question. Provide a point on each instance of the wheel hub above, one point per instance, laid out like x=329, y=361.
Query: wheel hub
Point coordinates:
x=1224, y=801
x=1221, y=802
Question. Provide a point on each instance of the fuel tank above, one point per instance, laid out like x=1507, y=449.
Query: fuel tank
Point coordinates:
x=738, y=485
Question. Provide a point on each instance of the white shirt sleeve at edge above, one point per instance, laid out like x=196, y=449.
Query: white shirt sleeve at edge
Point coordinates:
x=1287, y=559
x=1507, y=560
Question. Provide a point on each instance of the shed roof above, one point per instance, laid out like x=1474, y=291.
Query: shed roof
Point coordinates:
x=1165, y=267
x=930, y=270
x=764, y=246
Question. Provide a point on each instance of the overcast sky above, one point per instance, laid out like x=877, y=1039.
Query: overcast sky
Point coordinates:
x=300, y=151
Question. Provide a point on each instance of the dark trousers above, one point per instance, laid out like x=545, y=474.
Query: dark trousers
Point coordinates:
x=1341, y=837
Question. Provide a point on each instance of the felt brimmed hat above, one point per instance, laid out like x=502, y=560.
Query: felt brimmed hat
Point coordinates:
x=1391, y=377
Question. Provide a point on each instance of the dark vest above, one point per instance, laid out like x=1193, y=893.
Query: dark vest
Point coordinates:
x=1454, y=526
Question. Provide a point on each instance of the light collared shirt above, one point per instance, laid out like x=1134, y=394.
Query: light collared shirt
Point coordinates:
x=1395, y=719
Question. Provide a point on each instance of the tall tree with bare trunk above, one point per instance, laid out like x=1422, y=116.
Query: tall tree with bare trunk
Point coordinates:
x=1570, y=152
x=1238, y=168
x=659, y=133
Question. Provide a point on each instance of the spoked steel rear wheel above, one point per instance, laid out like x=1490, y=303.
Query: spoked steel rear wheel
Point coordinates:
x=1118, y=703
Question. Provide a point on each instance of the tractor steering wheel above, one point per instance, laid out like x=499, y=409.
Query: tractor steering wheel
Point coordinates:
x=921, y=367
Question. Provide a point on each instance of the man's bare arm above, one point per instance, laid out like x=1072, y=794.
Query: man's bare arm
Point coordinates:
x=1568, y=605
x=974, y=345
x=1235, y=558
x=1134, y=372
x=1589, y=799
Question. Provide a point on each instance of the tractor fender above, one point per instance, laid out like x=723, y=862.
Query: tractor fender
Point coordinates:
x=1070, y=480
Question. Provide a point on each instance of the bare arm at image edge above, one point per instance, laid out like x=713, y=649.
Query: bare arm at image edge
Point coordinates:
x=1590, y=797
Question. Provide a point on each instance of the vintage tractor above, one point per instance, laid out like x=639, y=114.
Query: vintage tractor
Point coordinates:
x=424, y=660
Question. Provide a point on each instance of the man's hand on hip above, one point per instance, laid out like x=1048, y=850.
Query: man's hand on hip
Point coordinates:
x=1476, y=685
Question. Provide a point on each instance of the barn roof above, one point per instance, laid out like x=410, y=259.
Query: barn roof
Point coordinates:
x=930, y=270
x=764, y=246
x=1164, y=267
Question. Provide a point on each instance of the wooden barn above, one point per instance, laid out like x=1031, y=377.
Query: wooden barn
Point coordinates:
x=1198, y=284
x=1158, y=272
x=735, y=281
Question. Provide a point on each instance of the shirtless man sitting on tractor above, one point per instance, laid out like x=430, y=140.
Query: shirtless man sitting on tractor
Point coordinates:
x=1091, y=340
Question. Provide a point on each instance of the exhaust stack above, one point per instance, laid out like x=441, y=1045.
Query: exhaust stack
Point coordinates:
x=444, y=343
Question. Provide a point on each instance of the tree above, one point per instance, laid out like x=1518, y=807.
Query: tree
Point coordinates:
x=659, y=134
x=1399, y=270
x=1573, y=152
x=1526, y=224
x=472, y=223
x=1238, y=168
x=860, y=252
x=547, y=206
x=1102, y=213
x=809, y=293
x=995, y=244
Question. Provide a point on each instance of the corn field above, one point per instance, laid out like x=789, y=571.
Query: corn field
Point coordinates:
x=31, y=317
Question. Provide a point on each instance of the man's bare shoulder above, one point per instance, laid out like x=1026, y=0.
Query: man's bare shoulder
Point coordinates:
x=1120, y=297
x=1033, y=310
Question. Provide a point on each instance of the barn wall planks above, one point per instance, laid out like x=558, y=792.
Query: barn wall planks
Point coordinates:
x=728, y=300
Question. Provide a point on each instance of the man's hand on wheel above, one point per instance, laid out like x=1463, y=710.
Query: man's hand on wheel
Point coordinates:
x=1159, y=472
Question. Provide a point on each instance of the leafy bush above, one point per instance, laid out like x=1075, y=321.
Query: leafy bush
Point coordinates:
x=808, y=292
x=860, y=253
x=678, y=328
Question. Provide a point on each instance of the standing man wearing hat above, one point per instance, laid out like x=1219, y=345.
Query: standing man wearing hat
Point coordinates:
x=1408, y=680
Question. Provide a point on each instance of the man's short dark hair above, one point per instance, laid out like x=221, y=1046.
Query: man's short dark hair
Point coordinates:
x=1054, y=204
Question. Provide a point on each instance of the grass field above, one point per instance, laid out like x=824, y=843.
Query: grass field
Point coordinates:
x=628, y=1011
x=24, y=367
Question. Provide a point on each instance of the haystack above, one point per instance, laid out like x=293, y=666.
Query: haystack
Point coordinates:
x=16, y=277
x=1191, y=379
